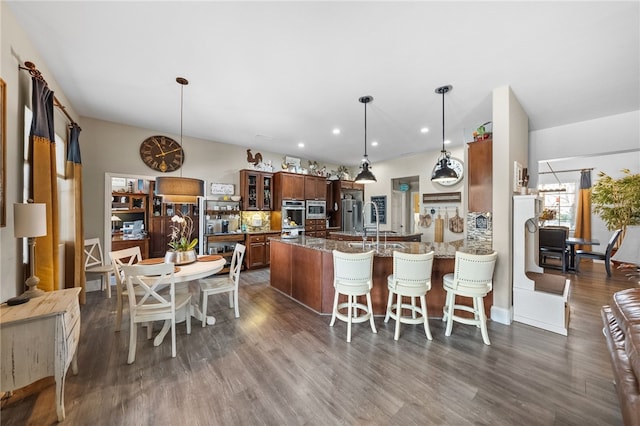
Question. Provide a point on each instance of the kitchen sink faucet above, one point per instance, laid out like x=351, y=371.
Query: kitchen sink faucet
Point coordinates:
x=364, y=209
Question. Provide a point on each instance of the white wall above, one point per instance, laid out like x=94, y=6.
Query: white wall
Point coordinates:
x=416, y=165
x=510, y=139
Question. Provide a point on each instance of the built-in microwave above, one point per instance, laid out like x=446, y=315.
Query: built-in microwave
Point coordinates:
x=316, y=209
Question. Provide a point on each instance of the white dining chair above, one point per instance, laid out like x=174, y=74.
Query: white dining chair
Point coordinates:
x=353, y=277
x=411, y=278
x=120, y=258
x=147, y=303
x=472, y=277
x=225, y=284
x=94, y=264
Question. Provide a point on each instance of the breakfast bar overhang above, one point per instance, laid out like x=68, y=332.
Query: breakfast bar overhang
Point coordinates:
x=302, y=268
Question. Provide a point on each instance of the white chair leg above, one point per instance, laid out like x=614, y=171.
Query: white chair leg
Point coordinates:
x=423, y=304
x=389, y=301
x=133, y=331
x=447, y=302
x=230, y=300
x=205, y=297
x=398, y=316
x=237, y=306
x=350, y=300
x=173, y=337
x=449, y=314
x=187, y=313
x=335, y=310
x=413, y=305
x=370, y=306
x=483, y=322
x=119, y=311
x=149, y=326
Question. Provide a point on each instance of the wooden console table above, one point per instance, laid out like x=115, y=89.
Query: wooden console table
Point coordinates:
x=40, y=339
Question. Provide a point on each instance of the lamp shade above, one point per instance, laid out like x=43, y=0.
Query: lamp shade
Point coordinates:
x=179, y=189
x=443, y=173
x=29, y=220
x=115, y=218
x=365, y=175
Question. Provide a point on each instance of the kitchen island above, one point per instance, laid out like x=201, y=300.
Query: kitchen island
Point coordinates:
x=302, y=268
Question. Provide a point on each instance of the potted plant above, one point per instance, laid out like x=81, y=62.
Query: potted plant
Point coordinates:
x=181, y=243
x=617, y=201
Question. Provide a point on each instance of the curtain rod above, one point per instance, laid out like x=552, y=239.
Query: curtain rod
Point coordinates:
x=31, y=68
x=564, y=171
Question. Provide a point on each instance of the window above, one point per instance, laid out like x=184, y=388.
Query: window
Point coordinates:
x=562, y=202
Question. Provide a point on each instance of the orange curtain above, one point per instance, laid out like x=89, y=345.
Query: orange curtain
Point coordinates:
x=74, y=171
x=44, y=187
x=583, y=209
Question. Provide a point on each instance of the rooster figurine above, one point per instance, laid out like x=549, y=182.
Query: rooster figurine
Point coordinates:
x=255, y=160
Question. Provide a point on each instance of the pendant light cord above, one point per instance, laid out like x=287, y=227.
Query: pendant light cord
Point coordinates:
x=443, y=150
x=365, y=133
x=181, y=114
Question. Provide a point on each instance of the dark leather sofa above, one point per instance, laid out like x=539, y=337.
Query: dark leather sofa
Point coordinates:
x=622, y=333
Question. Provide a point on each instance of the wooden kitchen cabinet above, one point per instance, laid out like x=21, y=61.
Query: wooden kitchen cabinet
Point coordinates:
x=315, y=228
x=258, y=252
x=480, y=175
x=256, y=189
x=288, y=186
x=315, y=188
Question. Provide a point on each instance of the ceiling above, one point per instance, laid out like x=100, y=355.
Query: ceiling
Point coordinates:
x=269, y=75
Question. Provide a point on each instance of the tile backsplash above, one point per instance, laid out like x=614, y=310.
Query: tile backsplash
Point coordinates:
x=256, y=221
x=479, y=226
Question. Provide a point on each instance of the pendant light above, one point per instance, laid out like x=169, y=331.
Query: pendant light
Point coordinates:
x=443, y=173
x=180, y=189
x=365, y=175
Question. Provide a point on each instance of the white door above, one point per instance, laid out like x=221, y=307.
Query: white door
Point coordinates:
x=399, y=211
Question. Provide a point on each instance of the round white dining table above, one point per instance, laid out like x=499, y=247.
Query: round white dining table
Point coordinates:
x=186, y=274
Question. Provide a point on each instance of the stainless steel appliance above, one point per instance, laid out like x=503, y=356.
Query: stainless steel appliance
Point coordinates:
x=316, y=209
x=352, y=215
x=293, y=215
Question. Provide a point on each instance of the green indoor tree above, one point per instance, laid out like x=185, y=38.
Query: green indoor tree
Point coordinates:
x=617, y=201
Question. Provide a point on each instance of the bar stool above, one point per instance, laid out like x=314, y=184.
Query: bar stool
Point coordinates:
x=472, y=277
x=411, y=278
x=353, y=277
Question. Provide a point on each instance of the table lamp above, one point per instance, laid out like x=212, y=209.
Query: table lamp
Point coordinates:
x=30, y=221
x=114, y=219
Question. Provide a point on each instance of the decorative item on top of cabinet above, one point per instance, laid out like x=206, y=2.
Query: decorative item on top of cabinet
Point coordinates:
x=256, y=190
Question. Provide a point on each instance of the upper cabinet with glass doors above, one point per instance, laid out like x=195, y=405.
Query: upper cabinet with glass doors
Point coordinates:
x=256, y=189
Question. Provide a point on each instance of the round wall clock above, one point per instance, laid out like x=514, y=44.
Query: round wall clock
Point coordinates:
x=161, y=153
x=457, y=166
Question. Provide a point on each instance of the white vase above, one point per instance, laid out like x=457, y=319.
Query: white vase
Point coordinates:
x=180, y=257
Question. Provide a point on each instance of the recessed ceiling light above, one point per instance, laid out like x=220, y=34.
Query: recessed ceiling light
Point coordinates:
x=336, y=131
x=300, y=144
x=424, y=130
x=374, y=143
x=447, y=142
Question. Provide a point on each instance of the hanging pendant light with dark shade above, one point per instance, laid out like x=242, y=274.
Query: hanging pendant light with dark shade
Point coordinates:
x=180, y=189
x=443, y=173
x=365, y=175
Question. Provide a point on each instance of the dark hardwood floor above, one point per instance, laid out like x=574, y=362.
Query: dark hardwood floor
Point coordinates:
x=281, y=364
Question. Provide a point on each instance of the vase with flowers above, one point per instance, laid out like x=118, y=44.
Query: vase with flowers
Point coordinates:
x=182, y=246
x=547, y=214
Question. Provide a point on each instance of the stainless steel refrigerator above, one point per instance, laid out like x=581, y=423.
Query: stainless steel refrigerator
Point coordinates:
x=352, y=215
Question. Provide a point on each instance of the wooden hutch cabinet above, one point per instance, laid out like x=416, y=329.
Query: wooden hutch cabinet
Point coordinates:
x=160, y=215
x=256, y=189
x=480, y=175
